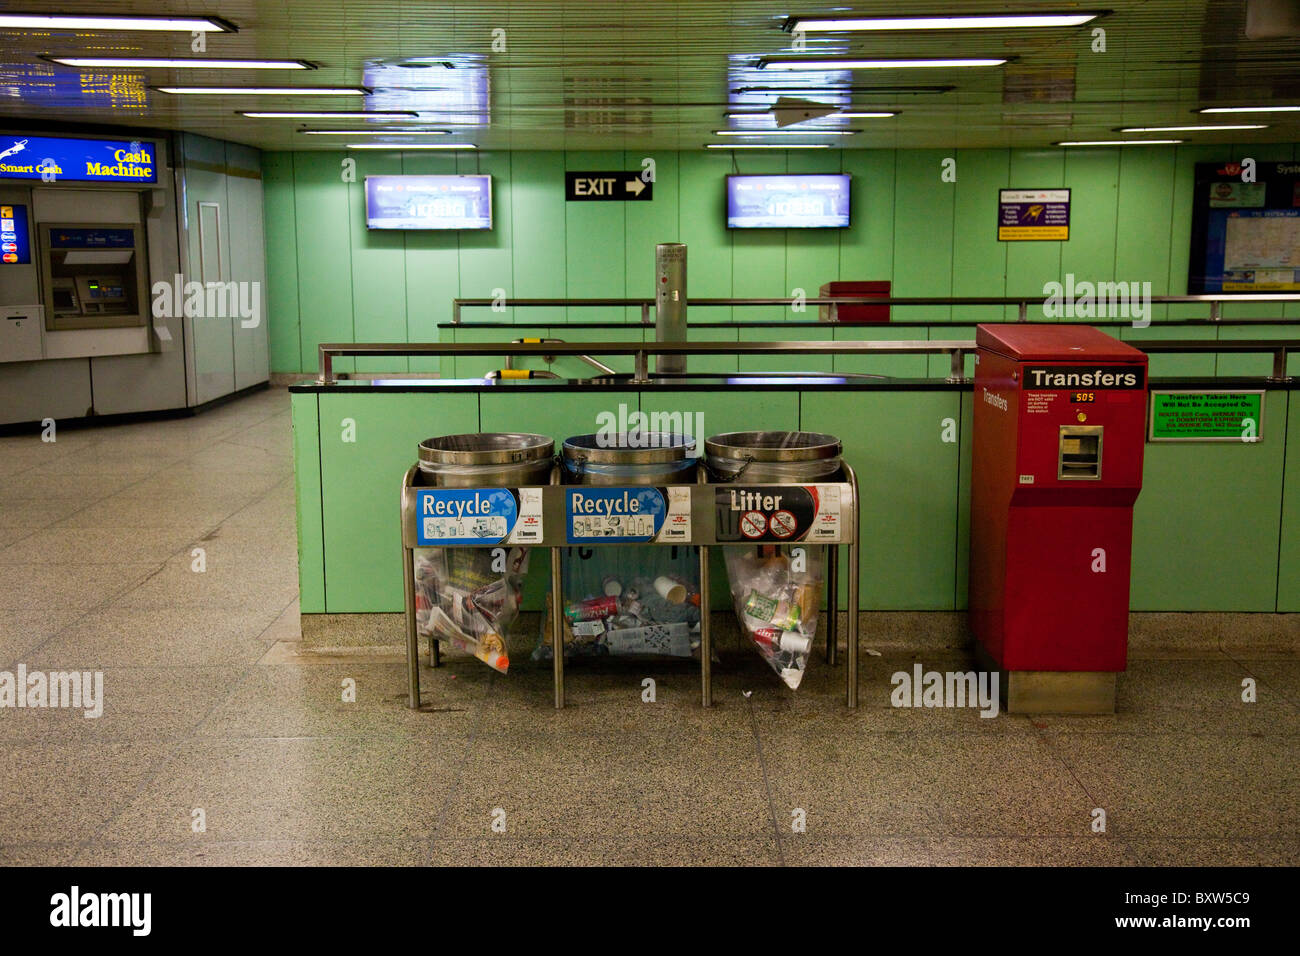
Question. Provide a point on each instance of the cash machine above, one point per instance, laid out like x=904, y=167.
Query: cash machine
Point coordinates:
x=1059, y=431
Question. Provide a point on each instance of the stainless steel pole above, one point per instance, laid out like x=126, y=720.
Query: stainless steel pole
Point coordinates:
x=670, y=303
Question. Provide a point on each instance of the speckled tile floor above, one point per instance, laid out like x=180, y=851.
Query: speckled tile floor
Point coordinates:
x=214, y=709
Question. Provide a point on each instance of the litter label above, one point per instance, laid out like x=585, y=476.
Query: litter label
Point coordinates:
x=478, y=516
x=779, y=513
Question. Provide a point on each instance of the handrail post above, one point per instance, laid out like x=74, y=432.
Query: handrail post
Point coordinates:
x=642, y=374
x=1024, y=311
x=455, y=311
x=645, y=312
x=1279, y=365
x=1215, y=308
x=957, y=367
x=326, y=367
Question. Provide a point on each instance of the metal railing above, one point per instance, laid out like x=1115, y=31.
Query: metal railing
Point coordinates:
x=1022, y=303
x=956, y=349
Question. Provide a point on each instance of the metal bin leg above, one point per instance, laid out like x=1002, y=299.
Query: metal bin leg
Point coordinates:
x=832, y=603
x=706, y=636
x=412, y=640
x=557, y=627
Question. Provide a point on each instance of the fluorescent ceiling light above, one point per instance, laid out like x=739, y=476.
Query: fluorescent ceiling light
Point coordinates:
x=265, y=90
x=395, y=131
x=325, y=114
x=179, y=63
x=830, y=65
x=767, y=145
x=24, y=21
x=1250, y=109
x=848, y=114
x=783, y=132
x=990, y=22
x=411, y=146
x=1187, y=129
x=1120, y=142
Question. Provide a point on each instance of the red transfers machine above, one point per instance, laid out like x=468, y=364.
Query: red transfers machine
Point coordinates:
x=1059, y=429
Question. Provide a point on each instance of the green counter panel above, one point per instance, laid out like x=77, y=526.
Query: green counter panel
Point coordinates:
x=1288, y=577
x=361, y=482
x=307, y=499
x=1205, y=528
x=908, y=480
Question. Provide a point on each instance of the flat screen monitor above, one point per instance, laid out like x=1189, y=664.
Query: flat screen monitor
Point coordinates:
x=429, y=202
x=792, y=201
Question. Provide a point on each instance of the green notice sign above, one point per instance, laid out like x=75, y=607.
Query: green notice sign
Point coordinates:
x=1206, y=416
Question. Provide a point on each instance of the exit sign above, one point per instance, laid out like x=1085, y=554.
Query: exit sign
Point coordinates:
x=607, y=187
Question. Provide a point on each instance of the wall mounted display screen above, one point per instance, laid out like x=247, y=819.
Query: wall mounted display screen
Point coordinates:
x=55, y=159
x=794, y=201
x=15, y=241
x=429, y=202
x=1245, y=235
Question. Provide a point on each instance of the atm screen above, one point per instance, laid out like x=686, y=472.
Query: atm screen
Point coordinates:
x=797, y=201
x=15, y=242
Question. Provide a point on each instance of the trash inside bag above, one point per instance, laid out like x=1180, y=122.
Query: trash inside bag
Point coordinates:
x=469, y=598
x=777, y=596
x=628, y=602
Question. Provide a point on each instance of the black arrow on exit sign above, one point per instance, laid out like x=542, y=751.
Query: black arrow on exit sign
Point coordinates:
x=607, y=187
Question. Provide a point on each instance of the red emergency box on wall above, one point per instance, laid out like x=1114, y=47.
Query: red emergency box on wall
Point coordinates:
x=854, y=313
x=1059, y=432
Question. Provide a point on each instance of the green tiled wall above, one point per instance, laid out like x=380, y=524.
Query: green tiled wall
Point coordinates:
x=329, y=278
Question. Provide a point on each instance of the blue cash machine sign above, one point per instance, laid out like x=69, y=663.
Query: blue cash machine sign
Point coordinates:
x=478, y=516
x=59, y=159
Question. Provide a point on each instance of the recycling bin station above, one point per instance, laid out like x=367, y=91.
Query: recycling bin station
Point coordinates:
x=1057, y=444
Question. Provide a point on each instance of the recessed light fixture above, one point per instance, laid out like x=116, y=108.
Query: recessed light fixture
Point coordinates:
x=389, y=131
x=326, y=114
x=783, y=132
x=828, y=65
x=29, y=21
x=178, y=63
x=1008, y=21
x=1250, y=109
x=1119, y=142
x=411, y=146
x=767, y=145
x=847, y=114
x=1187, y=129
x=264, y=90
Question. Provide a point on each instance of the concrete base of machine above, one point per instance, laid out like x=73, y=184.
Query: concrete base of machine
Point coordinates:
x=1053, y=692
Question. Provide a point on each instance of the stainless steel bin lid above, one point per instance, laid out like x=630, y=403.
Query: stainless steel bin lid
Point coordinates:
x=648, y=448
x=773, y=446
x=485, y=448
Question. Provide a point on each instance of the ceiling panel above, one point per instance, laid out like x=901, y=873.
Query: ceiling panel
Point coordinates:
x=598, y=74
